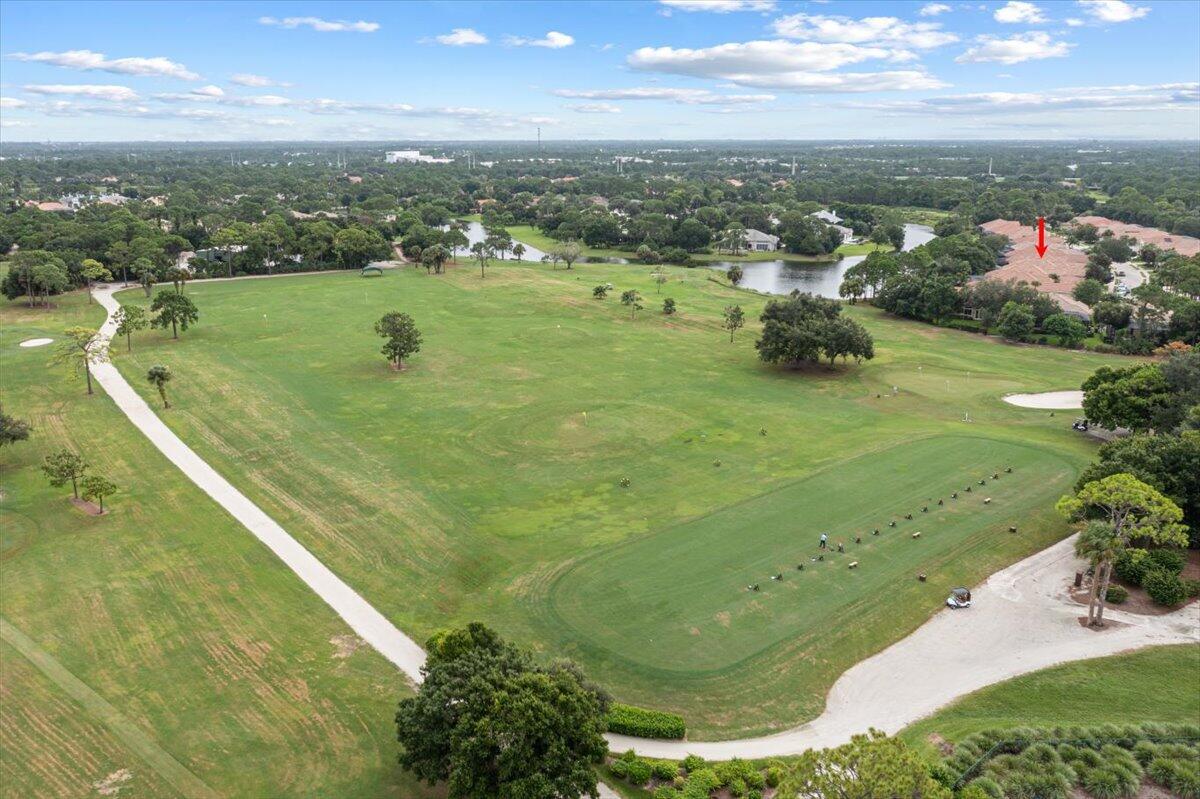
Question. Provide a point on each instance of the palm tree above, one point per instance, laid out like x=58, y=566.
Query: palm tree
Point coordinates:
x=159, y=376
x=1100, y=548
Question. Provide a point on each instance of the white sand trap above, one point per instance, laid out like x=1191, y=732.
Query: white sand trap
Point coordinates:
x=36, y=342
x=1051, y=400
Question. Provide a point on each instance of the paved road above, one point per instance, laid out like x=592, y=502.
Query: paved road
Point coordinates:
x=1022, y=621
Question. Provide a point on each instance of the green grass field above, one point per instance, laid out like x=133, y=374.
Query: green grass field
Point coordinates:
x=1156, y=684
x=160, y=649
x=483, y=482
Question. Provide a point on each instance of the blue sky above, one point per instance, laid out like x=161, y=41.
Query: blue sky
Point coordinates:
x=675, y=69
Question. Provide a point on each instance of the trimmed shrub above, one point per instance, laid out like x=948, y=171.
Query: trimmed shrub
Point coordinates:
x=1131, y=567
x=692, y=763
x=1164, y=588
x=1116, y=594
x=1167, y=560
x=639, y=772
x=773, y=777
x=631, y=720
x=1192, y=588
x=666, y=792
x=664, y=770
x=620, y=768
x=737, y=787
x=988, y=786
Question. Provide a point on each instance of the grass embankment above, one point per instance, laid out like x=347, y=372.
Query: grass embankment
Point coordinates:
x=1155, y=684
x=159, y=649
x=467, y=486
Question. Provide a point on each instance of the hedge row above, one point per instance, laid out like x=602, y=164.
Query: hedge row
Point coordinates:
x=632, y=720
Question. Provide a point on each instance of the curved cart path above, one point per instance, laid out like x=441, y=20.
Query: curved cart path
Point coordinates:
x=1022, y=621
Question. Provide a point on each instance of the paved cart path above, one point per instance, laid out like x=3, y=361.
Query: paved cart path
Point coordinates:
x=1023, y=620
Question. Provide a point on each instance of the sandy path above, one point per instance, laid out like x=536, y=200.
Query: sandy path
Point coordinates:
x=1022, y=621
x=1049, y=400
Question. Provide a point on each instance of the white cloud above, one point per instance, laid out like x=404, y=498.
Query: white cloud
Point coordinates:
x=795, y=66
x=209, y=91
x=276, y=122
x=553, y=40
x=1019, y=12
x=256, y=81
x=1032, y=46
x=89, y=60
x=595, y=108
x=868, y=30
x=12, y=102
x=1112, y=10
x=1130, y=98
x=462, y=37
x=720, y=6
x=322, y=25
x=1073, y=22
x=116, y=94
x=685, y=96
x=933, y=9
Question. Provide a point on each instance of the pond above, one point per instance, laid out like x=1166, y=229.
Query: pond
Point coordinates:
x=822, y=279
x=770, y=277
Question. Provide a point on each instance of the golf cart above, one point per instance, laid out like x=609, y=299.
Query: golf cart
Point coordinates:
x=1080, y=424
x=959, y=598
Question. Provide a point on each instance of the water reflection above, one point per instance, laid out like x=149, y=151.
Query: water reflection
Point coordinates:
x=821, y=279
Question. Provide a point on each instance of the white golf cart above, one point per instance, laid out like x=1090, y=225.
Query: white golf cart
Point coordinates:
x=959, y=598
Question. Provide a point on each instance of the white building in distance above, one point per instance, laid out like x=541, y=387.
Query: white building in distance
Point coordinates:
x=412, y=157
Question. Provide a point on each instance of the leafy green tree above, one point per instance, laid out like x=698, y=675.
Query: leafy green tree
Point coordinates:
x=633, y=301
x=80, y=348
x=500, y=241
x=1131, y=396
x=1129, y=509
x=435, y=257
x=146, y=273
x=35, y=273
x=844, y=337
x=735, y=274
x=659, y=276
x=568, y=252
x=96, y=488
x=871, y=766
x=93, y=271
x=456, y=240
x=482, y=253
x=1015, y=321
x=601, y=291
x=64, y=467
x=158, y=376
x=518, y=250
x=173, y=310
x=1089, y=291
x=13, y=429
x=230, y=238
x=852, y=287
x=1070, y=331
x=401, y=337
x=669, y=306
x=129, y=319
x=734, y=320
x=355, y=247
x=490, y=723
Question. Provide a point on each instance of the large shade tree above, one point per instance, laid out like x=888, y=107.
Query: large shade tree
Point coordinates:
x=173, y=310
x=400, y=337
x=490, y=723
x=1126, y=509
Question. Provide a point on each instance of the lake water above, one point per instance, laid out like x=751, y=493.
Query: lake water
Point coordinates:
x=770, y=277
x=822, y=279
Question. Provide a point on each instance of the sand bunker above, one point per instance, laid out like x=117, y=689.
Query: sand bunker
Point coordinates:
x=36, y=342
x=1052, y=400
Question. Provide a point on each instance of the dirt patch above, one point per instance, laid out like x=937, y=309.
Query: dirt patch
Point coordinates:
x=1109, y=624
x=90, y=508
x=346, y=645
x=113, y=783
x=944, y=747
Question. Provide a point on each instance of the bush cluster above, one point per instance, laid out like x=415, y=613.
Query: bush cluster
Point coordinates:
x=632, y=720
x=742, y=780
x=1116, y=594
x=1158, y=571
x=1107, y=761
x=1164, y=588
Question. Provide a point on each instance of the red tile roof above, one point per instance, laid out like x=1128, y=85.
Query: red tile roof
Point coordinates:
x=1184, y=245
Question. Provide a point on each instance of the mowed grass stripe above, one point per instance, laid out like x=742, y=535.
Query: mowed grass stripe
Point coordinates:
x=166, y=766
x=683, y=591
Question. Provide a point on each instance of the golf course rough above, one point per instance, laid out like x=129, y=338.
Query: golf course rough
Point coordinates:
x=545, y=465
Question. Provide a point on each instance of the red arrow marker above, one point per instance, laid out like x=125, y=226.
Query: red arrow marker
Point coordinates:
x=1041, y=245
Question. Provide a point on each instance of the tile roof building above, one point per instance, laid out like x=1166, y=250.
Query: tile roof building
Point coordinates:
x=1184, y=245
x=1057, y=273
